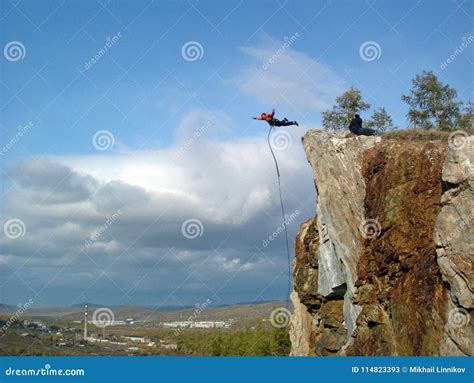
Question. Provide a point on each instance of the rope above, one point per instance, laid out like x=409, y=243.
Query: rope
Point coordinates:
x=283, y=216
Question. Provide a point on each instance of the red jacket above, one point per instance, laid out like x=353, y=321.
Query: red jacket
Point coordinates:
x=266, y=116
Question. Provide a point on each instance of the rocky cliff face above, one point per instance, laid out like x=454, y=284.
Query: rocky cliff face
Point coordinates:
x=386, y=266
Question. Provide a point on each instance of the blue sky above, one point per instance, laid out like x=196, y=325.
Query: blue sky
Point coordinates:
x=182, y=133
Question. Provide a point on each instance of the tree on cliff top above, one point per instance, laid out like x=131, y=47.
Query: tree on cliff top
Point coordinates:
x=350, y=103
x=380, y=121
x=432, y=103
x=466, y=120
x=341, y=114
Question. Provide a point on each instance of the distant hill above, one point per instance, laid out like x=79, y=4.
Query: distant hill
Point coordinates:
x=38, y=311
x=4, y=308
x=238, y=312
x=93, y=305
x=120, y=312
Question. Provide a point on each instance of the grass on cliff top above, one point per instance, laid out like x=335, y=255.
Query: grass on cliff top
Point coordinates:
x=421, y=134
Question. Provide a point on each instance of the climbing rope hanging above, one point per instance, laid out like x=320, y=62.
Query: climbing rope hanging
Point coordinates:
x=283, y=217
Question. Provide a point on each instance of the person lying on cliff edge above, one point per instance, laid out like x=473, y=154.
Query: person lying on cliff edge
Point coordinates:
x=355, y=127
x=270, y=118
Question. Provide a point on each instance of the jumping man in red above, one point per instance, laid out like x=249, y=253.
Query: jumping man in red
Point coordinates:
x=269, y=117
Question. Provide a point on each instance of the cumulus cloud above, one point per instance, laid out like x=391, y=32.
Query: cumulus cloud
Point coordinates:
x=38, y=175
x=110, y=227
x=281, y=75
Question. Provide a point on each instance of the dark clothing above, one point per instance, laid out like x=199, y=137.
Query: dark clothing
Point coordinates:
x=364, y=132
x=356, y=127
x=355, y=124
x=284, y=122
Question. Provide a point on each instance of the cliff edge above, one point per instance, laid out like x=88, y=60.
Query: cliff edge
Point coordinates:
x=386, y=266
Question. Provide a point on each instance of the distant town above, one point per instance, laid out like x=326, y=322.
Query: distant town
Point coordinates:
x=98, y=332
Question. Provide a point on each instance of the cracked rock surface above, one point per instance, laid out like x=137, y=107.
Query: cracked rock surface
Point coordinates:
x=385, y=266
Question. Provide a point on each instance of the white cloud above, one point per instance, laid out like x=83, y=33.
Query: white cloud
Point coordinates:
x=219, y=181
x=285, y=76
x=229, y=185
x=233, y=265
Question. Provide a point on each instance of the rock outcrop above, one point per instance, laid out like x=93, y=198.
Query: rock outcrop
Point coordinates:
x=386, y=266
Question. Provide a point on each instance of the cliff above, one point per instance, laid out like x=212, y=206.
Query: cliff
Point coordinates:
x=385, y=267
